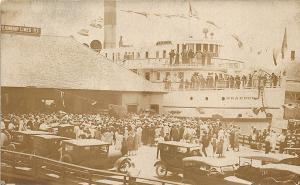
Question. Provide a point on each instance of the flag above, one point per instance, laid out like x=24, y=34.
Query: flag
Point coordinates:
x=212, y=23
x=275, y=53
x=190, y=9
x=284, y=44
x=240, y=43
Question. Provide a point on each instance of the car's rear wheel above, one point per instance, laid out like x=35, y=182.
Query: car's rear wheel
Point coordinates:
x=124, y=166
x=161, y=170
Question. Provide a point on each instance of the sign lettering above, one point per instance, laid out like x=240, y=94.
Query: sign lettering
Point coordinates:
x=24, y=30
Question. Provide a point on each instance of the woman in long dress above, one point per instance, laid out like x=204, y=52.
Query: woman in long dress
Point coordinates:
x=119, y=139
x=236, y=140
x=130, y=141
x=135, y=143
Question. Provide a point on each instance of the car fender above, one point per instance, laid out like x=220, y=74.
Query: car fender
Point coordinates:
x=159, y=162
x=120, y=160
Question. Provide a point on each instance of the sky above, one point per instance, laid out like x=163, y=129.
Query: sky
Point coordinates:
x=259, y=25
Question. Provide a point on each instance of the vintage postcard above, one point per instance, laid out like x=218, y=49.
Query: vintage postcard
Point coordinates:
x=149, y=92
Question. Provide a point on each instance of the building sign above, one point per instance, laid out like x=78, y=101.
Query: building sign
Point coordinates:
x=24, y=30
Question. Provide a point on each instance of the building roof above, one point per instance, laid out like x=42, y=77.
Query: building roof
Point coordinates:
x=64, y=63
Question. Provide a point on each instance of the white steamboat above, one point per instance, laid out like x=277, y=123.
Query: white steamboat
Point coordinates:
x=199, y=82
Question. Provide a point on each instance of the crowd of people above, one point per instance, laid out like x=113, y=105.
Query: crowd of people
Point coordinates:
x=198, y=81
x=130, y=133
x=270, y=140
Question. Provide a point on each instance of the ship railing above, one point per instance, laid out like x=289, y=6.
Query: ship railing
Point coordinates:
x=161, y=63
x=220, y=84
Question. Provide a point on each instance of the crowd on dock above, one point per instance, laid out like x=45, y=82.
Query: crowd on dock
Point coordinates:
x=128, y=134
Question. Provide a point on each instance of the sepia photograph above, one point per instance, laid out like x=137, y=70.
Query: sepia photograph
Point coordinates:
x=150, y=92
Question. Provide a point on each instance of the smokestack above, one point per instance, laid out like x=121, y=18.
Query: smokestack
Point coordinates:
x=110, y=20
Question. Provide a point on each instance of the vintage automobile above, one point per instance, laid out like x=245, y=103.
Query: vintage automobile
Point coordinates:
x=250, y=166
x=279, y=174
x=210, y=171
x=47, y=145
x=94, y=153
x=171, y=154
x=22, y=140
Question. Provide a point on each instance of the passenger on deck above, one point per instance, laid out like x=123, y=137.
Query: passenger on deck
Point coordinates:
x=171, y=56
x=237, y=81
x=244, y=80
x=249, y=81
x=274, y=80
x=216, y=80
x=190, y=56
x=177, y=58
x=198, y=57
x=184, y=56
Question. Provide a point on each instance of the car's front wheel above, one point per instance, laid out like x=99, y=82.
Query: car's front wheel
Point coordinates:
x=124, y=166
x=161, y=170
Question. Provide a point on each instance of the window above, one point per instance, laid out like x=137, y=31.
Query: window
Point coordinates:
x=157, y=75
x=157, y=54
x=69, y=147
x=208, y=60
x=101, y=149
x=167, y=74
x=113, y=56
x=181, y=75
x=147, y=76
x=182, y=150
x=164, y=53
x=205, y=47
x=106, y=55
x=138, y=55
x=198, y=47
x=20, y=138
x=211, y=48
x=191, y=46
x=147, y=54
x=165, y=148
x=217, y=48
